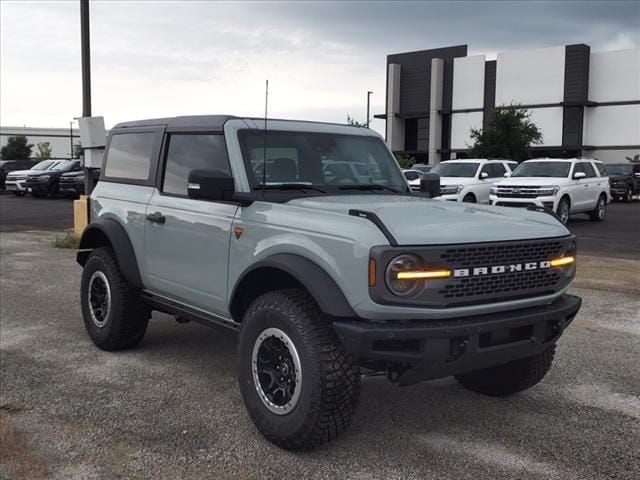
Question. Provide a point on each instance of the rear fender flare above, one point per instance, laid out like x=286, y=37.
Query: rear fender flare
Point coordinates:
x=108, y=232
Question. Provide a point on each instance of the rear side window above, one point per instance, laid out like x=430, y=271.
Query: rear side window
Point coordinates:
x=188, y=152
x=129, y=156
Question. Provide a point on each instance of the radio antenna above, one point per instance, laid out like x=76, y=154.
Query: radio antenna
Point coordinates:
x=264, y=154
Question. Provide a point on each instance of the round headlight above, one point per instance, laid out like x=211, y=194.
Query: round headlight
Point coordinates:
x=403, y=263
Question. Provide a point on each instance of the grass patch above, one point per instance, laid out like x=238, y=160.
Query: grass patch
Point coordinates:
x=70, y=241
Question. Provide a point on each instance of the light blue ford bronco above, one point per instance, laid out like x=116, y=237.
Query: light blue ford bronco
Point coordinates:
x=305, y=238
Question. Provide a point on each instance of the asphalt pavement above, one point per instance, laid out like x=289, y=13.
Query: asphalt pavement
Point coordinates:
x=171, y=407
x=18, y=214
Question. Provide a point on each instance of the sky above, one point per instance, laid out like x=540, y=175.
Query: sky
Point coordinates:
x=165, y=58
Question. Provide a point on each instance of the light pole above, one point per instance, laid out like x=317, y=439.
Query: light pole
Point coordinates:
x=368, y=106
x=71, y=139
x=86, y=81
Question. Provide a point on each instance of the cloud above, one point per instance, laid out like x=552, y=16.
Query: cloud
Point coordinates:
x=170, y=58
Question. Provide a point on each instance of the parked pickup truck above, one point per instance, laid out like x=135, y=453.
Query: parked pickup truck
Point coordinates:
x=624, y=180
x=566, y=186
x=219, y=220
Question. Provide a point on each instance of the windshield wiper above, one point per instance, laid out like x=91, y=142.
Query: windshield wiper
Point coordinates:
x=367, y=186
x=289, y=186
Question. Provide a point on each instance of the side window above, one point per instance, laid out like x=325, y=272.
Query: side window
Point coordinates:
x=601, y=168
x=129, y=156
x=188, y=152
x=494, y=170
x=585, y=168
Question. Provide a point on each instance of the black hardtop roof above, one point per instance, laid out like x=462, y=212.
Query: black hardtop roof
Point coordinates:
x=213, y=122
x=202, y=122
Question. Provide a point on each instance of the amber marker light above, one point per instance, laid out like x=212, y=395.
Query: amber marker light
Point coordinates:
x=372, y=272
x=423, y=274
x=561, y=262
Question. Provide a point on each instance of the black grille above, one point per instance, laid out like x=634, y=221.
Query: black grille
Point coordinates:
x=483, y=256
x=509, y=284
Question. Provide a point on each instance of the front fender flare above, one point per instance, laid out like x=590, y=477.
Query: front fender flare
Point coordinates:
x=94, y=236
x=314, y=278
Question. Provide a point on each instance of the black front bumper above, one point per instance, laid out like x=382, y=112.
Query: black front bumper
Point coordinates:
x=435, y=349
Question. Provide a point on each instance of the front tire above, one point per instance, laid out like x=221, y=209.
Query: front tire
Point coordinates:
x=598, y=214
x=114, y=315
x=511, y=377
x=469, y=198
x=300, y=387
x=564, y=209
x=629, y=195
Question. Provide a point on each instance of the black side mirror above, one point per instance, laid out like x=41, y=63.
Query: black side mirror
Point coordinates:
x=210, y=185
x=430, y=185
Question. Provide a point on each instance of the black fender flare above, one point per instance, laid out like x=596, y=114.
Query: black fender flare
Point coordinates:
x=93, y=237
x=314, y=278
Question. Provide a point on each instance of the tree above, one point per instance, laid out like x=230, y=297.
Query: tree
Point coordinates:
x=17, y=148
x=44, y=151
x=509, y=133
x=77, y=150
x=405, y=161
x=355, y=123
x=634, y=159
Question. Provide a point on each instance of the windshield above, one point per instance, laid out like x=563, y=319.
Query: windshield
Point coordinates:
x=451, y=169
x=3, y=163
x=619, y=169
x=61, y=166
x=322, y=162
x=542, y=169
x=46, y=165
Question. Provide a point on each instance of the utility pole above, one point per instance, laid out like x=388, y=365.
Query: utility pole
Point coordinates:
x=86, y=81
x=71, y=139
x=368, y=106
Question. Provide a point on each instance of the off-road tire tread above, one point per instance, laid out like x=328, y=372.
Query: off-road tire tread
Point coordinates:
x=510, y=378
x=130, y=316
x=331, y=414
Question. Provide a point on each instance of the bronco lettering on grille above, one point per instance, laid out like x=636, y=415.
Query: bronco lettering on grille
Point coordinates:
x=497, y=269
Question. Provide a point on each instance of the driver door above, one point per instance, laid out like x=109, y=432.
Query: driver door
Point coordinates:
x=187, y=240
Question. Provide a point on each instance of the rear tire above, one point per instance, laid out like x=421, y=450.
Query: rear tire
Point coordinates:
x=315, y=398
x=511, y=377
x=114, y=315
x=598, y=214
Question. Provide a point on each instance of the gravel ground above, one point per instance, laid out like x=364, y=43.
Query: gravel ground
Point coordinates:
x=171, y=409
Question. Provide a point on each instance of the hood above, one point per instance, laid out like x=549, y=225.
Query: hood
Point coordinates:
x=532, y=181
x=19, y=172
x=414, y=220
x=458, y=181
x=624, y=176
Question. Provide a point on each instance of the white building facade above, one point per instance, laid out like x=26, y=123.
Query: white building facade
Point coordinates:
x=584, y=103
x=61, y=140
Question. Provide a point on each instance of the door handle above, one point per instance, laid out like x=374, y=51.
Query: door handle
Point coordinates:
x=156, y=218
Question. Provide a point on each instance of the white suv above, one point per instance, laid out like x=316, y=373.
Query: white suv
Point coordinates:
x=470, y=180
x=567, y=186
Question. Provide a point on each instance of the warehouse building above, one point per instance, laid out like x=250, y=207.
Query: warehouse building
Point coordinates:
x=585, y=103
x=61, y=140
